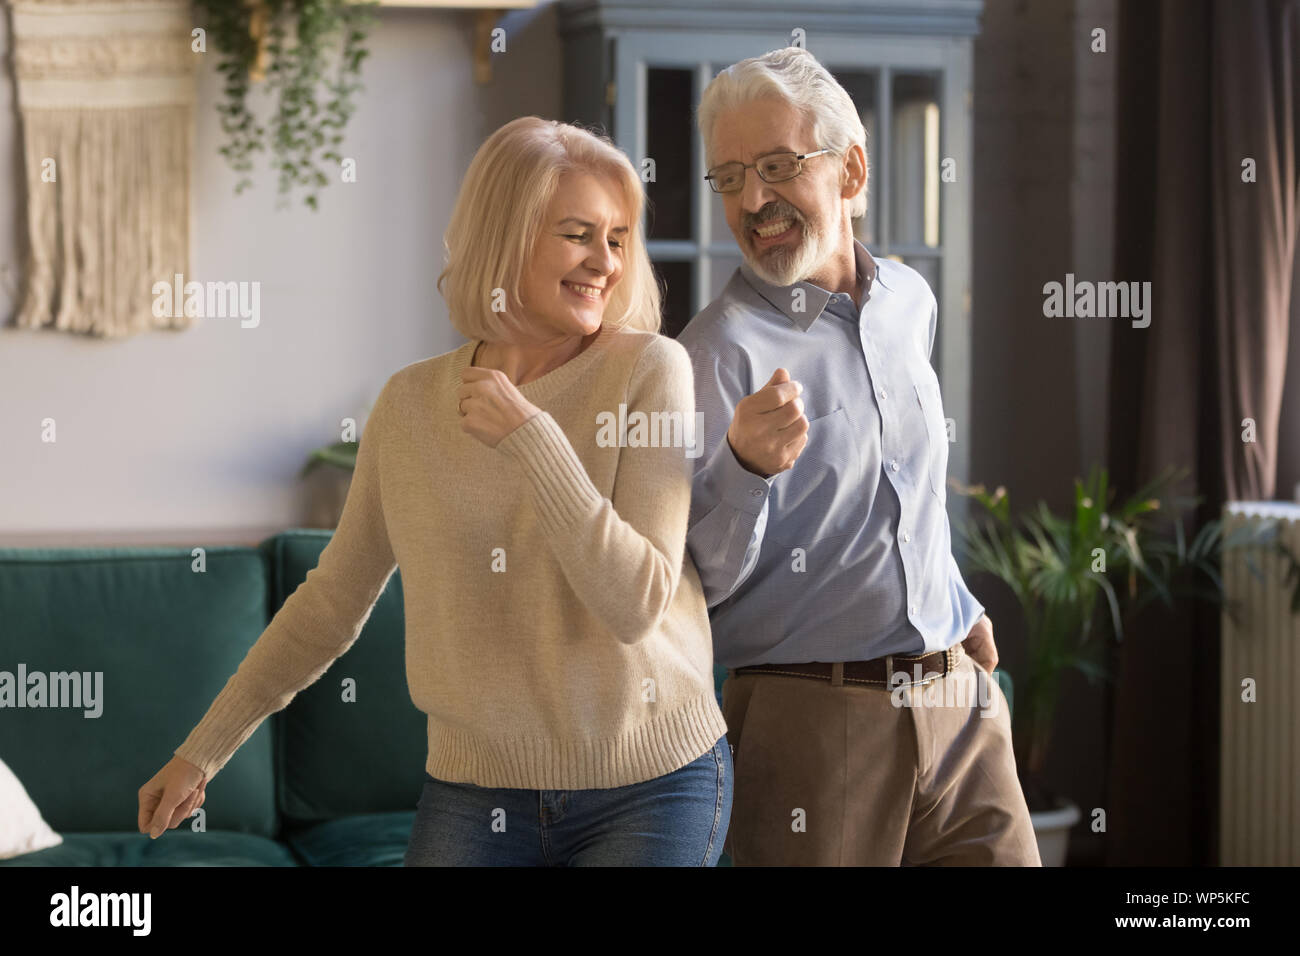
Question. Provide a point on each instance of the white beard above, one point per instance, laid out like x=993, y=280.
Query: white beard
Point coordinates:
x=783, y=266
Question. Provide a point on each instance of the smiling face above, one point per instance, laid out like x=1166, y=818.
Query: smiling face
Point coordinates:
x=578, y=259
x=786, y=231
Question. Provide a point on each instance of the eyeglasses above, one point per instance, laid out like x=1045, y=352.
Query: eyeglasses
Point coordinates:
x=773, y=168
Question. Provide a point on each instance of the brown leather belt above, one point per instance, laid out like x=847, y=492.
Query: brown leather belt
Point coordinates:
x=903, y=668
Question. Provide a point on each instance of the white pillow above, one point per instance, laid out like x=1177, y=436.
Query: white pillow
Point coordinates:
x=22, y=828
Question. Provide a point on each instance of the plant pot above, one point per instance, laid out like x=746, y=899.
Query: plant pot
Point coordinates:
x=1052, y=828
x=327, y=493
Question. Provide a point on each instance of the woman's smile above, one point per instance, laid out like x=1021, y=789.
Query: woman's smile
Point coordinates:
x=591, y=293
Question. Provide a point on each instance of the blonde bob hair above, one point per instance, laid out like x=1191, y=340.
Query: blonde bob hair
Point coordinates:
x=498, y=219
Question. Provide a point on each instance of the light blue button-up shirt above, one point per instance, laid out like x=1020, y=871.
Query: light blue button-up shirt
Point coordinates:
x=847, y=555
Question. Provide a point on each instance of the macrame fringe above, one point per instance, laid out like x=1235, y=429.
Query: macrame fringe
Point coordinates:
x=105, y=89
x=115, y=221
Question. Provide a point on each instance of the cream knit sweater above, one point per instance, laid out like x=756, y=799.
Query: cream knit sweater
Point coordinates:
x=557, y=635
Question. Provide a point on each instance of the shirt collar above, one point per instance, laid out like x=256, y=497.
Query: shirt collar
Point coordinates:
x=815, y=298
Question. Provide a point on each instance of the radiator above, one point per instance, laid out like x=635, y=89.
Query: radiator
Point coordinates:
x=1259, y=789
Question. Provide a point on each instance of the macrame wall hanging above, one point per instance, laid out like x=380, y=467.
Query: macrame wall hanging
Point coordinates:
x=106, y=93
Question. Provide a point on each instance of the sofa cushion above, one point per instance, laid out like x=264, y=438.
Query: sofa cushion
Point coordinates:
x=179, y=847
x=165, y=639
x=22, y=828
x=367, y=839
x=335, y=757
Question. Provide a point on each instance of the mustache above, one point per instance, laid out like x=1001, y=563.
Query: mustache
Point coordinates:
x=770, y=212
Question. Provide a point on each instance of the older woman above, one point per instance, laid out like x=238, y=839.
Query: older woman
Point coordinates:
x=556, y=631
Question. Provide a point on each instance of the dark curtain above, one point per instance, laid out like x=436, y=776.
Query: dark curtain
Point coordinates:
x=1202, y=85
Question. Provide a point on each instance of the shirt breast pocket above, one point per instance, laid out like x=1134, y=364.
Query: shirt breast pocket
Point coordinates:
x=809, y=500
x=936, y=437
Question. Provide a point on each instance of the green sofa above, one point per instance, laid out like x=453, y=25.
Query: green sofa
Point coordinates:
x=324, y=782
x=321, y=783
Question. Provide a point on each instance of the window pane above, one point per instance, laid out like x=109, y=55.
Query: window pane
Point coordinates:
x=679, y=296
x=928, y=266
x=861, y=87
x=669, y=134
x=914, y=161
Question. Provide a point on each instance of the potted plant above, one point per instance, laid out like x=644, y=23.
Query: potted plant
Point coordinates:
x=305, y=51
x=1080, y=579
x=334, y=465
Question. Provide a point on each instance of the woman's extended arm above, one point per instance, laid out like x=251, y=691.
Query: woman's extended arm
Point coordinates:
x=317, y=623
x=622, y=556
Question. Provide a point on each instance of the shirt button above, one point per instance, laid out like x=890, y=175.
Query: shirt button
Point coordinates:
x=906, y=537
x=882, y=393
x=913, y=608
x=893, y=463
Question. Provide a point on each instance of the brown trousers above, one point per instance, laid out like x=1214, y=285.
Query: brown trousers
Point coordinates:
x=839, y=775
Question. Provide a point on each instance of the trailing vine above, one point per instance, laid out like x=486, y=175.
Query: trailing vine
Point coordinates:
x=306, y=50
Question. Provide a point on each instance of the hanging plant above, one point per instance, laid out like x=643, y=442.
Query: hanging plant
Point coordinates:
x=305, y=51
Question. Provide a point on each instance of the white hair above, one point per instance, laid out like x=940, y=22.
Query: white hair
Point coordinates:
x=794, y=75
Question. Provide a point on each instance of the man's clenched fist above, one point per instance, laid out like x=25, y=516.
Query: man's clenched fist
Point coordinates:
x=769, y=429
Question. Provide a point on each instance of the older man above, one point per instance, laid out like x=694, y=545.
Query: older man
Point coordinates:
x=818, y=521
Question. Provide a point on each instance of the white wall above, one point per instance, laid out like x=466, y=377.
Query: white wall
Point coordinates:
x=169, y=435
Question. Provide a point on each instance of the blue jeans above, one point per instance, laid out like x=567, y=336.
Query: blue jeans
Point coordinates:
x=678, y=819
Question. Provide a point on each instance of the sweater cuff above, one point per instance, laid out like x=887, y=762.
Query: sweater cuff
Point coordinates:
x=230, y=721
x=562, y=489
